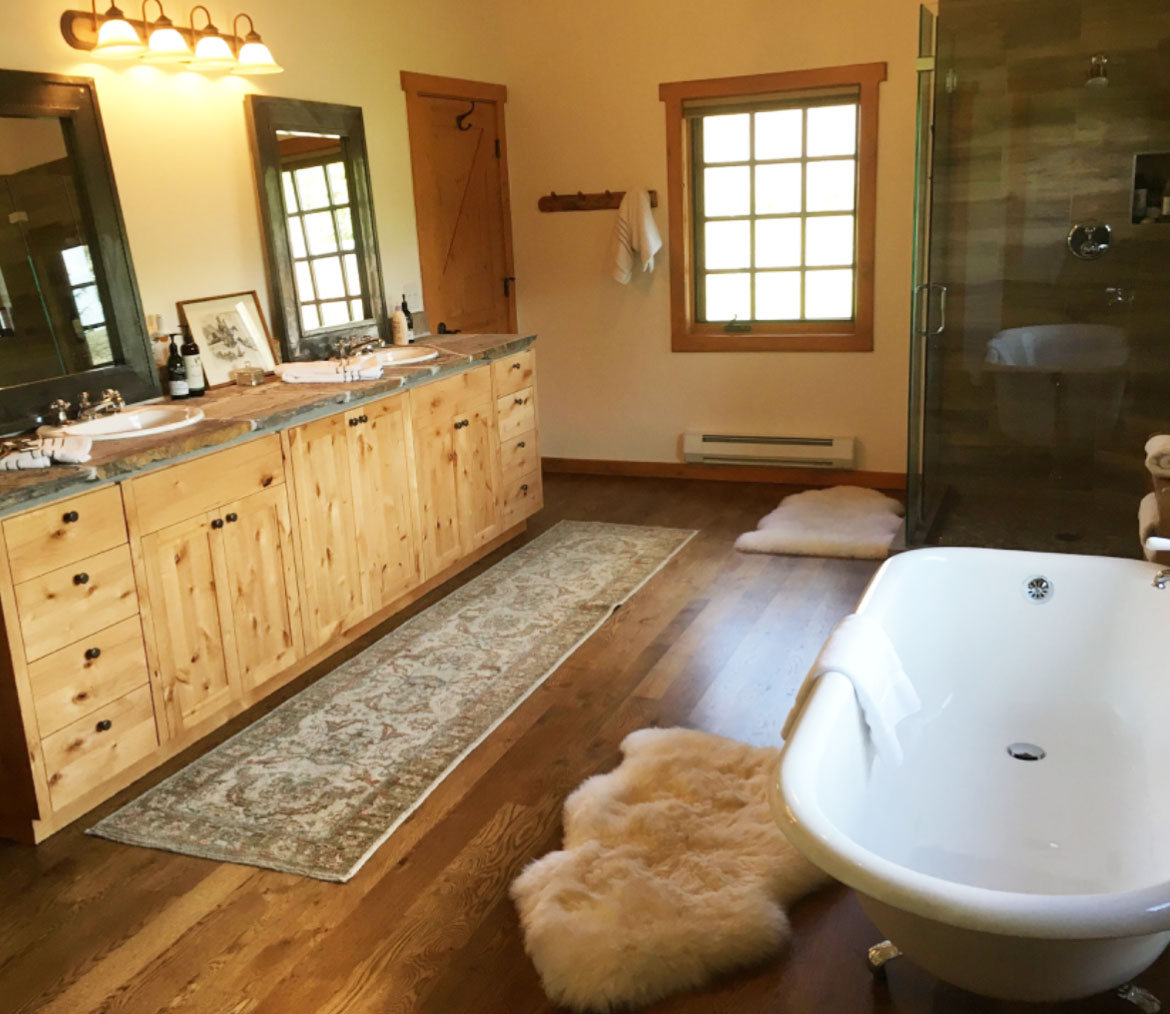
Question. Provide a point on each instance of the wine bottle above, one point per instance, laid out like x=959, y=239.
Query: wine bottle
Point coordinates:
x=409, y=319
x=176, y=373
x=196, y=383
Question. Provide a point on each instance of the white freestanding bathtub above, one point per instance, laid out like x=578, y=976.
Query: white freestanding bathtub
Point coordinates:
x=1021, y=879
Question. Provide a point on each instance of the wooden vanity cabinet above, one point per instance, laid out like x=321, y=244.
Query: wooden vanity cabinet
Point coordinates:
x=514, y=385
x=222, y=598
x=458, y=467
x=353, y=474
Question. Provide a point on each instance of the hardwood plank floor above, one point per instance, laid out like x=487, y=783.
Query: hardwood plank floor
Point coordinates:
x=717, y=641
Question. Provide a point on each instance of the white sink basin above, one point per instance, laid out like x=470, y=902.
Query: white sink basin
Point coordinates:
x=406, y=355
x=133, y=422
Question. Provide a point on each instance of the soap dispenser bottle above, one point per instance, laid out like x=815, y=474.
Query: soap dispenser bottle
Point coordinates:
x=398, y=329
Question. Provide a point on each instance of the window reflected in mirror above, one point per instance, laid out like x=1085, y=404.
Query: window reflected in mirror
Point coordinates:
x=319, y=214
x=52, y=319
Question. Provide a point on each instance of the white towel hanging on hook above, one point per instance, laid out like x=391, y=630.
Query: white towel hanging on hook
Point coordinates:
x=634, y=234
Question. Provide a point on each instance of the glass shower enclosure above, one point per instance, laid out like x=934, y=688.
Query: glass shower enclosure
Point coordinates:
x=1040, y=359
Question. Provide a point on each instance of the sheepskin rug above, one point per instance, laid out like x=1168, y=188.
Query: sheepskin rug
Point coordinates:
x=672, y=871
x=842, y=521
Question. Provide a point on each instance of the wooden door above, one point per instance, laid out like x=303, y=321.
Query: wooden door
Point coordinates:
x=196, y=655
x=438, y=503
x=330, y=570
x=256, y=572
x=477, y=479
x=382, y=467
x=458, y=157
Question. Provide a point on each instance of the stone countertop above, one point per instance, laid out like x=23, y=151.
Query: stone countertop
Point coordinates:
x=234, y=414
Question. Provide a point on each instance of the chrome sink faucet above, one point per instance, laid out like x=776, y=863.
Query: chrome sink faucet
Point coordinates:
x=356, y=346
x=110, y=402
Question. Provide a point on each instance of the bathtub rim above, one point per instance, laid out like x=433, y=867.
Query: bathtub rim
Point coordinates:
x=1136, y=912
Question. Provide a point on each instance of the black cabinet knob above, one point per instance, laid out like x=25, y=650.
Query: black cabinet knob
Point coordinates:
x=363, y=418
x=519, y=401
x=105, y=725
x=69, y=517
x=353, y=421
x=522, y=443
x=232, y=518
x=524, y=488
x=217, y=523
x=515, y=366
x=92, y=653
x=82, y=578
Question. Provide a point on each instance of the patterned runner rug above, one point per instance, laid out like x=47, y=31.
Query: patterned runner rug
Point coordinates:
x=319, y=783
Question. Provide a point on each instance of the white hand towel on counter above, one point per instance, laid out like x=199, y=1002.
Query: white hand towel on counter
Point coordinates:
x=1158, y=456
x=333, y=371
x=1148, y=522
x=42, y=453
x=633, y=231
x=860, y=651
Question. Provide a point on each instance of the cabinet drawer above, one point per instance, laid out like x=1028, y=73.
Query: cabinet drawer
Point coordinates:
x=66, y=604
x=93, y=749
x=458, y=395
x=522, y=497
x=515, y=413
x=64, y=532
x=514, y=373
x=89, y=674
x=180, y=492
x=519, y=456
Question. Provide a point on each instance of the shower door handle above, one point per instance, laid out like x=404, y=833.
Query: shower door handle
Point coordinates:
x=942, y=306
x=925, y=331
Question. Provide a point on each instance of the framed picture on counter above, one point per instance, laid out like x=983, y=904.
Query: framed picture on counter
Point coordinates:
x=231, y=332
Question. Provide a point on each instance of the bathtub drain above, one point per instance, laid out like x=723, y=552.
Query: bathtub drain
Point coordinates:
x=1027, y=751
x=1038, y=588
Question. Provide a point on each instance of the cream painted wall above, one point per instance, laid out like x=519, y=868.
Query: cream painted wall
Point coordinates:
x=583, y=114
x=178, y=141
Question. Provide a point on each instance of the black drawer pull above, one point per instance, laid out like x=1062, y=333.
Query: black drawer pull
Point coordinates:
x=519, y=401
x=82, y=578
x=363, y=418
x=515, y=366
x=232, y=518
x=92, y=653
x=69, y=517
x=217, y=523
x=354, y=421
x=105, y=725
x=522, y=444
x=524, y=488
x=461, y=423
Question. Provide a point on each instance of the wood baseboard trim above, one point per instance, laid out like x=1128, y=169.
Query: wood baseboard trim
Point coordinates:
x=34, y=831
x=891, y=481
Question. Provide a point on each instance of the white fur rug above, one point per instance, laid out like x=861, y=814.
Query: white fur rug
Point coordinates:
x=842, y=521
x=672, y=871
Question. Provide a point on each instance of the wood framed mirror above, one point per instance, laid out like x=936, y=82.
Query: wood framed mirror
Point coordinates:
x=317, y=212
x=70, y=315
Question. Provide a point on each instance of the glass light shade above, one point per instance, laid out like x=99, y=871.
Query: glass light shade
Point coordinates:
x=166, y=45
x=256, y=58
x=213, y=53
x=117, y=39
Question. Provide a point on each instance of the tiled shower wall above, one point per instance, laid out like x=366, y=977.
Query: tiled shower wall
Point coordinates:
x=1046, y=458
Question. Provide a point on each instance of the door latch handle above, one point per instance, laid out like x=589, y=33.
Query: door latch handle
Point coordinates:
x=508, y=286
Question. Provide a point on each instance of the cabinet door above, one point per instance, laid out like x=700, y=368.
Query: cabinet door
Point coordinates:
x=382, y=467
x=330, y=571
x=438, y=505
x=258, y=577
x=196, y=657
x=476, y=459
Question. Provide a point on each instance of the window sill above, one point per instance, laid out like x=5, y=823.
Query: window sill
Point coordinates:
x=705, y=338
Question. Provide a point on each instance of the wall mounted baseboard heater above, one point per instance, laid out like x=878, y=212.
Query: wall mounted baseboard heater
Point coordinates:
x=778, y=452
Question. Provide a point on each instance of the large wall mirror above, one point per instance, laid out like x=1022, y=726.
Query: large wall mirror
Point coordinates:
x=70, y=315
x=313, y=178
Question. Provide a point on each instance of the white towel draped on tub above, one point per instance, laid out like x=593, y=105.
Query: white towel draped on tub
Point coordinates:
x=333, y=371
x=633, y=231
x=860, y=651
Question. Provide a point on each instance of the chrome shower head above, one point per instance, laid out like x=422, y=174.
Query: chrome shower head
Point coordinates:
x=1098, y=72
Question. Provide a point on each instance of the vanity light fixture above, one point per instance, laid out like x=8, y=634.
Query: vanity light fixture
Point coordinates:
x=117, y=39
x=254, y=57
x=165, y=43
x=212, y=51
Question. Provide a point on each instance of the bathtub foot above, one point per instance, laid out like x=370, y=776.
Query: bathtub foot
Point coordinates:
x=1142, y=999
x=879, y=955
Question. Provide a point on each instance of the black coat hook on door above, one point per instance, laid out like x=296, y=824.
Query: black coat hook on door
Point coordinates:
x=463, y=116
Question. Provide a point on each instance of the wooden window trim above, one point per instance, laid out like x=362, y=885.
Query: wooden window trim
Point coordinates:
x=689, y=335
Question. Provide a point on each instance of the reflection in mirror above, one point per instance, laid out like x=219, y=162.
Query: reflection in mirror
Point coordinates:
x=70, y=316
x=51, y=318
x=317, y=210
x=320, y=229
